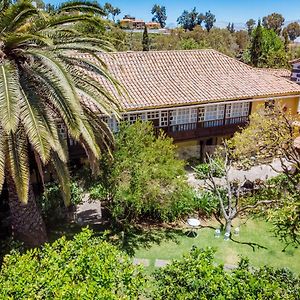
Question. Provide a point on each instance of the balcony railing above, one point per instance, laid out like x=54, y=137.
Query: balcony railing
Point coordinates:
x=205, y=128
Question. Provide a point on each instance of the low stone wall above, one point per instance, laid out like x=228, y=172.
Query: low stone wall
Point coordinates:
x=188, y=150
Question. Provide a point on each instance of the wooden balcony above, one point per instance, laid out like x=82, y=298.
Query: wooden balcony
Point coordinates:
x=204, y=129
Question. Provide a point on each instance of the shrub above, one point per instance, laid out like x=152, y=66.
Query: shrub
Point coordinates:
x=206, y=203
x=196, y=276
x=82, y=268
x=145, y=179
x=52, y=204
x=202, y=171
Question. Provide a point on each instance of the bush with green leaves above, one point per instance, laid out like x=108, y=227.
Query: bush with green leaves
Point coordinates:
x=82, y=268
x=203, y=170
x=51, y=201
x=207, y=204
x=196, y=276
x=145, y=179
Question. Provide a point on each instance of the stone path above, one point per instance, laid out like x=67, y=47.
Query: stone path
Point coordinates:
x=262, y=172
x=141, y=261
x=88, y=212
x=160, y=263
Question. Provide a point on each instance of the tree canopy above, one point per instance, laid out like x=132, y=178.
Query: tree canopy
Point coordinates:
x=159, y=15
x=189, y=20
x=196, y=276
x=293, y=30
x=210, y=20
x=274, y=21
x=82, y=268
x=266, y=49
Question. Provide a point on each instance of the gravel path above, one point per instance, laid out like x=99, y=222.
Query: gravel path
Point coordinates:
x=262, y=172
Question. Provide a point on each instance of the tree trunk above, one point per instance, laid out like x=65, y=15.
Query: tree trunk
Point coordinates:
x=228, y=226
x=26, y=220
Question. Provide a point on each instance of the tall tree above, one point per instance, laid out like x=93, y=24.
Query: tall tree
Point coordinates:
x=256, y=48
x=286, y=39
x=189, y=20
x=250, y=26
x=41, y=81
x=159, y=15
x=274, y=21
x=109, y=9
x=210, y=20
x=146, y=42
x=115, y=12
x=267, y=49
x=293, y=30
x=230, y=27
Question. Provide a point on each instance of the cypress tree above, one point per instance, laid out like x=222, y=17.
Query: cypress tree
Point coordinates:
x=146, y=42
x=256, y=45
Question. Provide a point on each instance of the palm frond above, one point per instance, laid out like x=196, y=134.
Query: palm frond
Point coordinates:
x=104, y=136
x=81, y=6
x=18, y=163
x=89, y=139
x=59, y=82
x=4, y=5
x=9, y=95
x=33, y=122
x=100, y=71
x=16, y=15
x=58, y=20
x=63, y=176
x=2, y=158
x=15, y=40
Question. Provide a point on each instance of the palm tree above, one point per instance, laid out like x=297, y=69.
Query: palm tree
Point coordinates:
x=43, y=80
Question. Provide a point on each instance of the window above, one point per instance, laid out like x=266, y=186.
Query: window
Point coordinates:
x=214, y=112
x=151, y=115
x=201, y=114
x=163, y=119
x=183, y=116
x=234, y=110
x=62, y=130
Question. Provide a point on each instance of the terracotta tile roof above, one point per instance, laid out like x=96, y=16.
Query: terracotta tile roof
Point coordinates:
x=170, y=78
x=277, y=72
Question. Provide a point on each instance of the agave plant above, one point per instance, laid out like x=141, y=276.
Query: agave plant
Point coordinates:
x=42, y=82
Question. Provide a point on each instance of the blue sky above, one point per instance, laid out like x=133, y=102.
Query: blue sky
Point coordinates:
x=237, y=11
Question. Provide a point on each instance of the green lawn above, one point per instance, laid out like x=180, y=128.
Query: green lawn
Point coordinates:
x=254, y=231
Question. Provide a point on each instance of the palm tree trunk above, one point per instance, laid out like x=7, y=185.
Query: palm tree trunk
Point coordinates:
x=26, y=220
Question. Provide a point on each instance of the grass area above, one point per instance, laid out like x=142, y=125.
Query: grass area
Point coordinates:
x=255, y=241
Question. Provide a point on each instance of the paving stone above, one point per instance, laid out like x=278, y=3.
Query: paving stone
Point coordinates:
x=141, y=261
x=230, y=267
x=161, y=263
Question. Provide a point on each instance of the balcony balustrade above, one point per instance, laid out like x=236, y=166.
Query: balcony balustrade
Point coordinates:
x=203, y=129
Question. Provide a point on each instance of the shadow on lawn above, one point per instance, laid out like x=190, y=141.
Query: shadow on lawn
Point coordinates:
x=128, y=239
x=254, y=246
x=135, y=237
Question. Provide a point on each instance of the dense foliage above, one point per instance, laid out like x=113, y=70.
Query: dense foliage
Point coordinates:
x=196, y=276
x=51, y=202
x=159, y=15
x=203, y=170
x=82, y=268
x=266, y=49
x=144, y=179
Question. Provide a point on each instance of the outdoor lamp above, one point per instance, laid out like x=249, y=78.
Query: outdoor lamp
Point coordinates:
x=217, y=233
x=226, y=236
